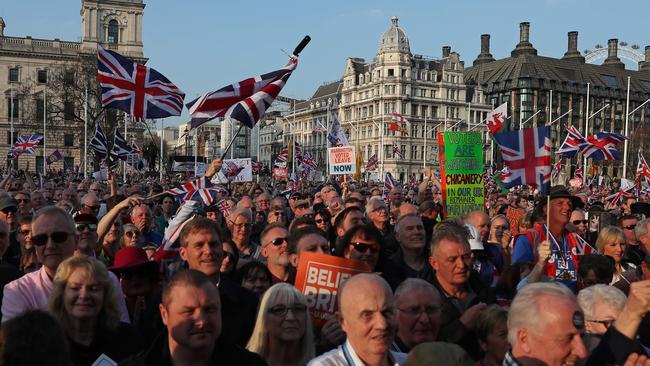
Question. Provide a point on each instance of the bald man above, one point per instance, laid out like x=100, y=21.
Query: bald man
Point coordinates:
x=367, y=315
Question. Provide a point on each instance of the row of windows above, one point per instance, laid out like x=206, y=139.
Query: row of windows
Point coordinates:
x=16, y=112
x=42, y=76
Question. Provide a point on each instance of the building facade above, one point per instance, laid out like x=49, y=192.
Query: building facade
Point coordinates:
x=540, y=90
x=33, y=102
x=424, y=90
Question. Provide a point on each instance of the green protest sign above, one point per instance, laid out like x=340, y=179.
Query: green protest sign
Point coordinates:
x=461, y=170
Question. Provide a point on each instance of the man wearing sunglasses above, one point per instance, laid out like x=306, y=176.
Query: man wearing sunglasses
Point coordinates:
x=90, y=204
x=275, y=249
x=9, y=214
x=579, y=222
x=86, y=227
x=55, y=238
x=24, y=203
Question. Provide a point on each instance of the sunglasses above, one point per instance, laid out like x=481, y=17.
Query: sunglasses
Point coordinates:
x=278, y=241
x=57, y=237
x=22, y=200
x=578, y=222
x=82, y=227
x=629, y=227
x=364, y=247
x=279, y=213
x=25, y=232
x=131, y=234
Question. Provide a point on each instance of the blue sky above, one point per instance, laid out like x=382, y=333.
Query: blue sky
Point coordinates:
x=202, y=45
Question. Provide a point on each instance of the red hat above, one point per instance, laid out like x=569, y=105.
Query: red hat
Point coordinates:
x=131, y=257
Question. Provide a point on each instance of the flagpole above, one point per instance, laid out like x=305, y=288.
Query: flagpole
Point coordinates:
x=86, y=133
x=627, y=117
x=327, y=141
x=11, y=122
x=44, y=125
x=196, y=151
x=586, y=127
x=162, y=134
x=424, y=162
x=125, y=137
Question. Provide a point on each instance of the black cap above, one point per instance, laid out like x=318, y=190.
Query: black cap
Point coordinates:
x=7, y=201
x=563, y=192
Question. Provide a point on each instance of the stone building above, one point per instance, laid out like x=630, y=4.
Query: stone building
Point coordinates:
x=419, y=88
x=30, y=68
x=533, y=85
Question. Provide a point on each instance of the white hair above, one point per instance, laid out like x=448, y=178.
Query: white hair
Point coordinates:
x=610, y=295
x=370, y=206
x=526, y=308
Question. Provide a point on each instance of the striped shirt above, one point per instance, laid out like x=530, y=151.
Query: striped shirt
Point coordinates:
x=345, y=356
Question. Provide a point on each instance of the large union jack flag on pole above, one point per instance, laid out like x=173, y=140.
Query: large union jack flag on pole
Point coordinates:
x=245, y=101
x=527, y=154
x=136, y=89
x=602, y=146
x=573, y=143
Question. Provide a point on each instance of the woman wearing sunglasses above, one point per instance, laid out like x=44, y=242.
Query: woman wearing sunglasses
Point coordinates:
x=83, y=300
x=283, y=333
x=361, y=243
x=130, y=237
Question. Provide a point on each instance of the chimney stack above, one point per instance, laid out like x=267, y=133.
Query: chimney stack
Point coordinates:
x=2, y=27
x=446, y=50
x=645, y=65
x=485, y=55
x=572, y=52
x=524, y=47
x=612, y=54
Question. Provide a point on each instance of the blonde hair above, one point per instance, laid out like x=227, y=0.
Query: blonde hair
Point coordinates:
x=281, y=293
x=109, y=315
x=609, y=234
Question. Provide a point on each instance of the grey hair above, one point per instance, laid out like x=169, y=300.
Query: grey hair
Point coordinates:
x=450, y=229
x=399, y=220
x=641, y=228
x=591, y=295
x=369, y=205
x=411, y=284
x=500, y=216
x=51, y=211
x=526, y=308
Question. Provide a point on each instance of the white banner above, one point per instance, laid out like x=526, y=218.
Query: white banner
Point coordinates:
x=342, y=160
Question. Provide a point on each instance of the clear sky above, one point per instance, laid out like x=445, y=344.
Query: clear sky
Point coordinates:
x=202, y=45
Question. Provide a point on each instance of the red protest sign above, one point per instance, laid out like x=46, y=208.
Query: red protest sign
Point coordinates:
x=514, y=215
x=319, y=278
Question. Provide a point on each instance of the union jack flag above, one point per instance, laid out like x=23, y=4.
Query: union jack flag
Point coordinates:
x=26, y=144
x=257, y=166
x=602, y=146
x=373, y=162
x=573, y=143
x=557, y=167
x=245, y=101
x=224, y=208
x=389, y=183
x=136, y=89
x=136, y=149
x=200, y=190
x=616, y=198
x=397, y=152
x=642, y=168
x=308, y=161
x=283, y=157
x=527, y=154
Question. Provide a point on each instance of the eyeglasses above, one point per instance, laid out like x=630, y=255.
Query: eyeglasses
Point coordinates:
x=244, y=225
x=416, y=311
x=630, y=227
x=277, y=241
x=364, y=247
x=578, y=222
x=279, y=213
x=131, y=234
x=57, y=237
x=22, y=200
x=380, y=208
x=282, y=310
x=82, y=227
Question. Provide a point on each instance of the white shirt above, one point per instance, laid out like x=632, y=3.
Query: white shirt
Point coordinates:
x=337, y=357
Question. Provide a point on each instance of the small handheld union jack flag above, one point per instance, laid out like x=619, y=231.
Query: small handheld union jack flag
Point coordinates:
x=373, y=162
x=199, y=190
x=642, y=168
x=136, y=89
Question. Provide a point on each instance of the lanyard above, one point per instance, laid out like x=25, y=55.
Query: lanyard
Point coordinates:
x=346, y=354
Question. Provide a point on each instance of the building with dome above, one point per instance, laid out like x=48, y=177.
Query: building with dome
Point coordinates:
x=427, y=91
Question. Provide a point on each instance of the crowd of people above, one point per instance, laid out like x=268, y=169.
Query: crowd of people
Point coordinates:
x=129, y=273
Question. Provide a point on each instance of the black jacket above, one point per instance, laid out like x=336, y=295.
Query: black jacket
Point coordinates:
x=238, y=312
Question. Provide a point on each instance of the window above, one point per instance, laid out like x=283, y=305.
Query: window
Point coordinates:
x=14, y=75
x=41, y=76
x=68, y=139
x=38, y=104
x=68, y=77
x=113, y=32
x=15, y=109
x=68, y=111
x=391, y=72
x=9, y=137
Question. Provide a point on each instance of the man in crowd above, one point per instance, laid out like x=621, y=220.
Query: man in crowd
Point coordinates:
x=275, y=249
x=308, y=239
x=579, y=222
x=411, y=256
x=142, y=218
x=24, y=203
x=90, y=204
x=367, y=316
x=418, y=314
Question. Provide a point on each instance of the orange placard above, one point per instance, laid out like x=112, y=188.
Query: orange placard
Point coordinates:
x=319, y=277
x=513, y=215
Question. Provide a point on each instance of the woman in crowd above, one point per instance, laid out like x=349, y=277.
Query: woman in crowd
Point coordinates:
x=277, y=213
x=283, y=333
x=254, y=276
x=611, y=242
x=83, y=300
x=230, y=257
x=601, y=305
x=111, y=242
x=492, y=334
x=130, y=237
x=323, y=221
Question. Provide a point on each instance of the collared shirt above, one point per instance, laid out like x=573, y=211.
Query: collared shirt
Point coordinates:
x=31, y=292
x=345, y=356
